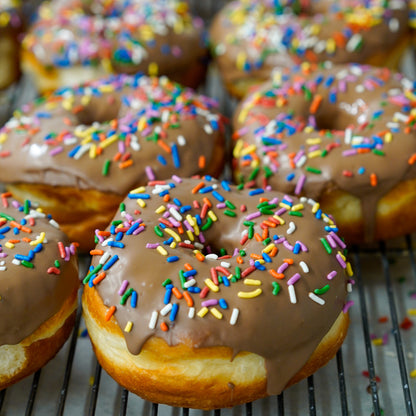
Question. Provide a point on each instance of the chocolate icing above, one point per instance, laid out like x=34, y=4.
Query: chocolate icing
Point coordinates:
x=30, y=296
x=250, y=38
x=362, y=127
x=150, y=119
x=284, y=333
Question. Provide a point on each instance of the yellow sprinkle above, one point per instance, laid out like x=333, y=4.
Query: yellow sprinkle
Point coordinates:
x=128, y=326
x=153, y=69
x=413, y=373
x=252, y=282
x=268, y=248
x=85, y=99
x=107, y=142
x=172, y=244
x=247, y=150
x=211, y=285
x=139, y=190
x=190, y=220
x=3, y=138
x=142, y=124
x=283, y=205
x=241, y=60
x=315, y=153
x=388, y=137
x=237, y=148
x=349, y=269
x=178, y=26
x=313, y=140
x=190, y=235
x=160, y=210
x=377, y=341
x=212, y=215
x=9, y=245
x=38, y=240
x=93, y=151
x=250, y=295
x=162, y=250
x=106, y=64
x=411, y=312
x=202, y=312
x=330, y=45
x=173, y=234
x=106, y=88
x=297, y=207
x=327, y=219
x=315, y=208
x=141, y=203
x=281, y=220
x=342, y=256
x=216, y=313
x=196, y=229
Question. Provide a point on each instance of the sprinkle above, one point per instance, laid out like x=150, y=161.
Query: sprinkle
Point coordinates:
x=234, y=316
x=250, y=295
x=217, y=314
x=153, y=320
x=128, y=326
x=292, y=294
x=110, y=313
x=202, y=312
x=210, y=284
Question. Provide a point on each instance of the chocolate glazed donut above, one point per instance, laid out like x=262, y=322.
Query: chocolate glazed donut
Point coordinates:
x=343, y=136
x=200, y=295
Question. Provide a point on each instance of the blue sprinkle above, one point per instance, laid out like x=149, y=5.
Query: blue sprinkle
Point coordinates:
x=190, y=273
x=296, y=248
x=168, y=241
x=218, y=196
x=113, y=229
x=290, y=177
x=318, y=214
x=133, y=299
x=266, y=258
x=168, y=295
x=223, y=304
x=194, y=289
x=31, y=254
x=90, y=282
x=119, y=236
x=133, y=228
x=198, y=219
x=225, y=186
x=38, y=248
x=161, y=160
x=173, y=312
x=175, y=156
x=169, y=286
x=184, y=209
x=23, y=222
x=329, y=229
x=16, y=231
x=161, y=225
x=139, y=196
x=21, y=257
x=73, y=152
x=4, y=230
x=177, y=202
x=172, y=259
x=225, y=281
x=110, y=262
x=258, y=265
x=361, y=170
x=206, y=189
x=256, y=192
x=115, y=244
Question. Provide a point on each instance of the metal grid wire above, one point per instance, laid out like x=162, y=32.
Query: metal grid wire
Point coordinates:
x=26, y=397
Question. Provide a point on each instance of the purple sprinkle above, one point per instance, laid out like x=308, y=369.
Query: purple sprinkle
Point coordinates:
x=282, y=267
x=123, y=287
x=149, y=172
x=253, y=215
x=288, y=245
x=138, y=230
x=302, y=246
x=331, y=241
x=341, y=261
x=176, y=178
x=152, y=245
x=201, y=238
x=347, y=306
x=209, y=302
x=280, y=240
x=100, y=237
x=293, y=279
x=337, y=239
x=299, y=184
x=281, y=211
x=221, y=205
x=349, y=152
x=331, y=275
x=55, y=151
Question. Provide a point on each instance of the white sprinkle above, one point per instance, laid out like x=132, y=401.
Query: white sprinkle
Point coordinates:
x=211, y=256
x=234, y=316
x=160, y=188
x=301, y=161
x=35, y=214
x=220, y=49
x=16, y=262
x=348, y=136
x=54, y=223
x=225, y=264
x=359, y=88
x=134, y=143
x=189, y=283
x=104, y=257
x=394, y=25
x=181, y=140
x=400, y=117
x=199, y=246
x=292, y=228
x=316, y=299
x=105, y=242
x=153, y=320
x=208, y=129
x=191, y=312
x=165, y=310
x=304, y=267
x=82, y=150
x=292, y=294
x=349, y=287
x=175, y=214
x=3, y=268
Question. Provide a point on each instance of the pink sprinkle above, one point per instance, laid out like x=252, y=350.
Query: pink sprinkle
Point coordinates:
x=299, y=184
x=347, y=306
x=338, y=240
x=152, y=245
x=293, y=279
x=341, y=261
x=331, y=275
x=123, y=287
x=176, y=178
x=331, y=241
x=210, y=302
x=282, y=267
x=253, y=215
x=55, y=151
x=149, y=172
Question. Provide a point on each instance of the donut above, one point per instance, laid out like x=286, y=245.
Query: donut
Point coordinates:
x=250, y=38
x=38, y=289
x=207, y=296
x=80, y=150
x=343, y=136
x=74, y=41
x=11, y=26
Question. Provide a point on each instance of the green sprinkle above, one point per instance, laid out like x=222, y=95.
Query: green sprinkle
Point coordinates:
x=116, y=222
x=266, y=241
x=122, y=207
x=158, y=231
x=28, y=264
x=313, y=170
x=182, y=278
x=322, y=290
x=126, y=295
x=166, y=282
x=57, y=264
x=250, y=232
x=96, y=269
x=296, y=213
x=267, y=172
x=230, y=213
x=8, y=217
x=229, y=204
x=26, y=207
x=266, y=211
x=276, y=288
x=207, y=224
x=324, y=153
x=223, y=252
x=240, y=187
x=243, y=253
x=233, y=279
x=237, y=272
x=326, y=245
x=253, y=174
x=378, y=152
x=106, y=167
x=248, y=223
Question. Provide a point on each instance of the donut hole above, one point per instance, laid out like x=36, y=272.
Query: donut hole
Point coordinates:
x=331, y=118
x=99, y=110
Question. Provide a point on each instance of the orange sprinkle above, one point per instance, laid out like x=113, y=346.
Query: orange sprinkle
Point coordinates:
x=412, y=159
x=265, y=233
x=270, y=223
x=362, y=150
x=177, y=293
x=26, y=240
x=207, y=201
x=255, y=256
x=26, y=229
x=98, y=279
x=196, y=188
x=96, y=252
x=164, y=146
x=200, y=256
x=16, y=225
x=67, y=121
x=14, y=241
x=189, y=300
x=180, y=229
x=261, y=200
x=201, y=162
x=273, y=251
x=104, y=233
x=125, y=164
x=316, y=102
x=6, y=194
x=164, y=327
x=288, y=261
x=188, y=267
x=166, y=198
x=258, y=237
x=373, y=179
x=276, y=275
x=240, y=260
x=110, y=313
